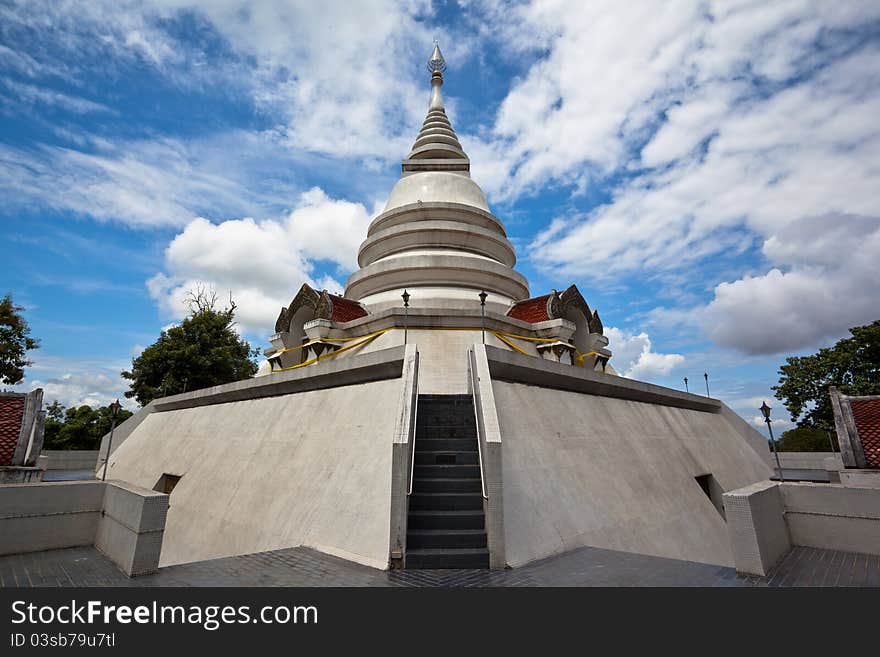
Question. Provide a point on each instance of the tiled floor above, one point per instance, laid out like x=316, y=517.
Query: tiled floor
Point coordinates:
x=304, y=567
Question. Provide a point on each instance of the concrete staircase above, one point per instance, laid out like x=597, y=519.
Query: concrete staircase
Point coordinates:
x=446, y=524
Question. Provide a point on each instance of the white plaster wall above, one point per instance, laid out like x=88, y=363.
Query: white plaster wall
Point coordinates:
x=312, y=469
x=809, y=460
x=443, y=368
x=582, y=470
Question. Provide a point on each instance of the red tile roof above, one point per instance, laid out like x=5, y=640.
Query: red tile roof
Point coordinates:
x=11, y=412
x=866, y=413
x=531, y=310
x=345, y=310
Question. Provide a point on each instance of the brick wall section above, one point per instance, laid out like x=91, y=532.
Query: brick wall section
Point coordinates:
x=11, y=411
x=531, y=310
x=866, y=414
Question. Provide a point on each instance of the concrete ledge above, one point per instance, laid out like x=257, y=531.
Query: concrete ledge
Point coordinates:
x=758, y=532
x=401, y=456
x=46, y=516
x=70, y=459
x=860, y=478
x=131, y=527
x=831, y=500
x=331, y=373
x=372, y=366
x=508, y=365
x=810, y=460
x=124, y=522
x=20, y=474
x=827, y=516
x=489, y=429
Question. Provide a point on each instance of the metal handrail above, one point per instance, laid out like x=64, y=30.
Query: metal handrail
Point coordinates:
x=412, y=443
x=473, y=375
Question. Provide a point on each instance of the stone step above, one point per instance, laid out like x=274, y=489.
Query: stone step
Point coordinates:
x=447, y=471
x=446, y=444
x=445, y=538
x=439, y=432
x=446, y=501
x=432, y=485
x=446, y=457
x=450, y=558
x=464, y=519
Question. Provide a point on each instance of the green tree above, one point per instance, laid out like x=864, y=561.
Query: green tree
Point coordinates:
x=808, y=439
x=204, y=350
x=81, y=427
x=852, y=364
x=15, y=342
x=54, y=422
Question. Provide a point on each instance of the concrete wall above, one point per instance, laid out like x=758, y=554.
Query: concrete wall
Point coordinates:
x=443, y=360
x=833, y=517
x=827, y=516
x=311, y=468
x=124, y=522
x=810, y=460
x=48, y=516
x=68, y=459
x=590, y=470
x=131, y=527
x=759, y=536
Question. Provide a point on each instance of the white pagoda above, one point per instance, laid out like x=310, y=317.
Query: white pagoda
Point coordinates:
x=438, y=416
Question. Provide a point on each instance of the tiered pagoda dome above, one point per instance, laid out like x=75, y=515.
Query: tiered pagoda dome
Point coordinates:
x=436, y=234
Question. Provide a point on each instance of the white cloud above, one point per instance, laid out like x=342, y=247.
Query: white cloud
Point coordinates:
x=159, y=182
x=832, y=265
x=29, y=94
x=262, y=263
x=338, y=76
x=727, y=125
x=779, y=424
x=75, y=382
x=632, y=355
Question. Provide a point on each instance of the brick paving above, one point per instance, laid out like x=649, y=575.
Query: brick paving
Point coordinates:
x=304, y=567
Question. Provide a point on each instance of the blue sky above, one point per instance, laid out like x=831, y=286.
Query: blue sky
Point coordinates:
x=707, y=173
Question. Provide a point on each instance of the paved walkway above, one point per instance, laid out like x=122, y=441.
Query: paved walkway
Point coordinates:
x=305, y=567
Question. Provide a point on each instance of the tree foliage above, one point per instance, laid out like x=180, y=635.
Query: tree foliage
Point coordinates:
x=204, y=350
x=78, y=427
x=852, y=365
x=15, y=342
x=808, y=439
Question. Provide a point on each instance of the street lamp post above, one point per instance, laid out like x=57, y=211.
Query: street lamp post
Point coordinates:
x=706, y=376
x=765, y=411
x=686, y=384
x=114, y=411
x=405, y=296
x=483, y=296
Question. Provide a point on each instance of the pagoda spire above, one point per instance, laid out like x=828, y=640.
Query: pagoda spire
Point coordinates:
x=436, y=64
x=436, y=147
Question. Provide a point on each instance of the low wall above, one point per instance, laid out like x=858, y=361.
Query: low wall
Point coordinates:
x=810, y=460
x=48, y=516
x=827, y=516
x=305, y=457
x=833, y=517
x=759, y=536
x=592, y=459
x=70, y=459
x=122, y=521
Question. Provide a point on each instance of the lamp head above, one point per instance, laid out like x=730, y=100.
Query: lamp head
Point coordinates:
x=765, y=411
